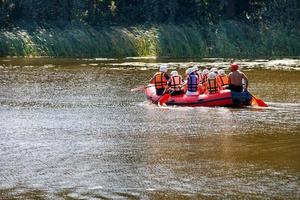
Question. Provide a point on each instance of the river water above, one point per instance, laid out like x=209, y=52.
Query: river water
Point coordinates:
x=71, y=129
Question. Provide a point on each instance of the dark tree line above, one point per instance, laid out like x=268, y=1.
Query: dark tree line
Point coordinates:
x=131, y=12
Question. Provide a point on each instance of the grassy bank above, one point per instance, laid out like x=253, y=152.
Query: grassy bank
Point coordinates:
x=227, y=39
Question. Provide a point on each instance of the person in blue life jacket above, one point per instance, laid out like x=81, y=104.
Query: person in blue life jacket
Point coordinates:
x=175, y=84
x=192, y=83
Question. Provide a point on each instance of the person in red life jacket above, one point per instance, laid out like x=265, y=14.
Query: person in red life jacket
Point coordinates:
x=235, y=79
x=223, y=79
x=212, y=84
x=160, y=79
x=175, y=84
x=192, y=83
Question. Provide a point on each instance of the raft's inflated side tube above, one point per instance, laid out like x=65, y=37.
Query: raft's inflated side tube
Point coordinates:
x=223, y=98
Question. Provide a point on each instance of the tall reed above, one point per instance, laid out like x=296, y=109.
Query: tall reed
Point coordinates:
x=226, y=39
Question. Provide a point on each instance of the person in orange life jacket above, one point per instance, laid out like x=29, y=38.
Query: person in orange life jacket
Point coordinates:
x=235, y=79
x=160, y=79
x=204, y=75
x=214, y=69
x=197, y=73
x=175, y=84
x=201, y=88
x=192, y=83
x=223, y=78
x=212, y=85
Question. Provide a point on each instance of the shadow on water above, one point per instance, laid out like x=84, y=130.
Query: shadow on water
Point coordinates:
x=72, y=130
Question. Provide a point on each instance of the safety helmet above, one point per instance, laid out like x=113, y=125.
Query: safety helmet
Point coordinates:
x=221, y=72
x=212, y=75
x=195, y=68
x=205, y=71
x=174, y=73
x=234, y=66
x=163, y=68
x=189, y=71
x=214, y=69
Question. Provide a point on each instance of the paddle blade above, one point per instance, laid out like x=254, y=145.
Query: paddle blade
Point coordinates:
x=254, y=102
x=260, y=102
x=137, y=89
x=164, y=99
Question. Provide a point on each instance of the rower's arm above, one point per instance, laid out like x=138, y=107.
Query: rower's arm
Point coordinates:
x=152, y=80
x=229, y=78
x=246, y=80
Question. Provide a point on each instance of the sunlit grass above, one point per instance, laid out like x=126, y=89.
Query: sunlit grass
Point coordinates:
x=227, y=39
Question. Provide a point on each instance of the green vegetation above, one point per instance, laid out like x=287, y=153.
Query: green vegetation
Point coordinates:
x=174, y=28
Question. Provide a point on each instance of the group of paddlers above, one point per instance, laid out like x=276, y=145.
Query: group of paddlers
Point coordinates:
x=199, y=82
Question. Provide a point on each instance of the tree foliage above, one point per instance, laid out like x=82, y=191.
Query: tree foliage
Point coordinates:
x=130, y=12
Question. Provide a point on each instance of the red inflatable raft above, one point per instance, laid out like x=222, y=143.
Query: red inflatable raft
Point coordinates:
x=222, y=98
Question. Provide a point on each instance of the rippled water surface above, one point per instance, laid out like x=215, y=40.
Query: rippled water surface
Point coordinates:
x=71, y=129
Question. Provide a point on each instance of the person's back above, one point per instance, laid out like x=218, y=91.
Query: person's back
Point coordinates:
x=235, y=79
x=204, y=75
x=212, y=84
x=175, y=84
x=192, y=84
x=223, y=78
x=160, y=80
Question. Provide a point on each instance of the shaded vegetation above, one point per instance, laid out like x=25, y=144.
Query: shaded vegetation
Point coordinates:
x=175, y=28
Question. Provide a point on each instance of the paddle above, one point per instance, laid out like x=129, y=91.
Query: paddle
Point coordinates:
x=140, y=88
x=257, y=101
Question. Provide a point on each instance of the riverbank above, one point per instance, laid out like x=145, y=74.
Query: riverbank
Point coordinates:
x=227, y=39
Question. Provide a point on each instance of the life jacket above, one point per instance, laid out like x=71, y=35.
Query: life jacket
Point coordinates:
x=160, y=80
x=204, y=78
x=176, y=83
x=212, y=86
x=223, y=80
x=192, y=83
x=199, y=76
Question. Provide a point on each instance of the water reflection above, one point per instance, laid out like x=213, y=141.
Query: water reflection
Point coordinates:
x=76, y=132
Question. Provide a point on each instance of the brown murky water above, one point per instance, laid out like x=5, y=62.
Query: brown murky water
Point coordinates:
x=71, y=129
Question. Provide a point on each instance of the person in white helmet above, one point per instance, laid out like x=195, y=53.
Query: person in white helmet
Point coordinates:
x=204, y=75
x=223, y=78
x=214, y=69
x=175, y=84
x=212, y=84
x=160, y=79
x=192, y=83
x=197, y=73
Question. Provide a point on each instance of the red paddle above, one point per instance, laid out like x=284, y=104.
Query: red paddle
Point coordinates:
x=257, y=101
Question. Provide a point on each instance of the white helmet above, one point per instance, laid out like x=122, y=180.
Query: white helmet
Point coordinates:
x=214, y=69
x=163, y=68
x=212, y=75
x=195, y=68
x=205, y=71
x=221, y=72
x=174, y=73
x=189, y=70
